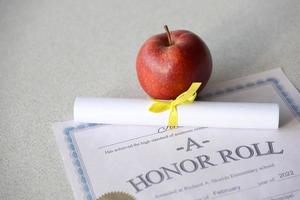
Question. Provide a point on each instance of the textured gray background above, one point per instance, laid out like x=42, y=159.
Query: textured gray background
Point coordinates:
x=52, y=51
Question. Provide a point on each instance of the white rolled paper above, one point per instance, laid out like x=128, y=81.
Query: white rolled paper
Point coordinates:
x=199, y=113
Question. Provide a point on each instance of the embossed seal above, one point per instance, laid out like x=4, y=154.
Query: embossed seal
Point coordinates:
x=116, y=196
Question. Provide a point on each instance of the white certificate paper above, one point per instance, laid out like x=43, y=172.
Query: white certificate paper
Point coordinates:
x=192, y=163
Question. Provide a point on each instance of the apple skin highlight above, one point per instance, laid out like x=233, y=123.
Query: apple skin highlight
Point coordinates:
x=166, y=70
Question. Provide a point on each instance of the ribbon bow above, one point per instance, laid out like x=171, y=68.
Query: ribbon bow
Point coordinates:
x=184, y=98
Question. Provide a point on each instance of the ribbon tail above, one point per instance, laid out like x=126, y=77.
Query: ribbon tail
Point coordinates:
x=192, y=98
x=173, y=118
x=189, y=95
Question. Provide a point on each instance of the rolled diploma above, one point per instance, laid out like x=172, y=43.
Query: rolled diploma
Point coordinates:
x=199, y=113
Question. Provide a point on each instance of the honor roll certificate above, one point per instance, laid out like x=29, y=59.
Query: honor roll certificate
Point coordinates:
x=191, y=163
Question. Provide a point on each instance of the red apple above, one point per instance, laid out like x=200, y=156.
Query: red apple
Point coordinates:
x=168, y=63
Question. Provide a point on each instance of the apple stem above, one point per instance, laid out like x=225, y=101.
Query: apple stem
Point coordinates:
x=168, y=34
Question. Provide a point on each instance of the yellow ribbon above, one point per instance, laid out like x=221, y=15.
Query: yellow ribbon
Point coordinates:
x=184, y=98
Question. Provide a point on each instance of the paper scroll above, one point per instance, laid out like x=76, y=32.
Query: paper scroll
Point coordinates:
x=199, y=113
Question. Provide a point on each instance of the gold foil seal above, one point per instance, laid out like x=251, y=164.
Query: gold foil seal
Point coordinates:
x=116, y=196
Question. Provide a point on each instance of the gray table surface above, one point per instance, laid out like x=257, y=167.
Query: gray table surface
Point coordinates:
x=52, y=51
